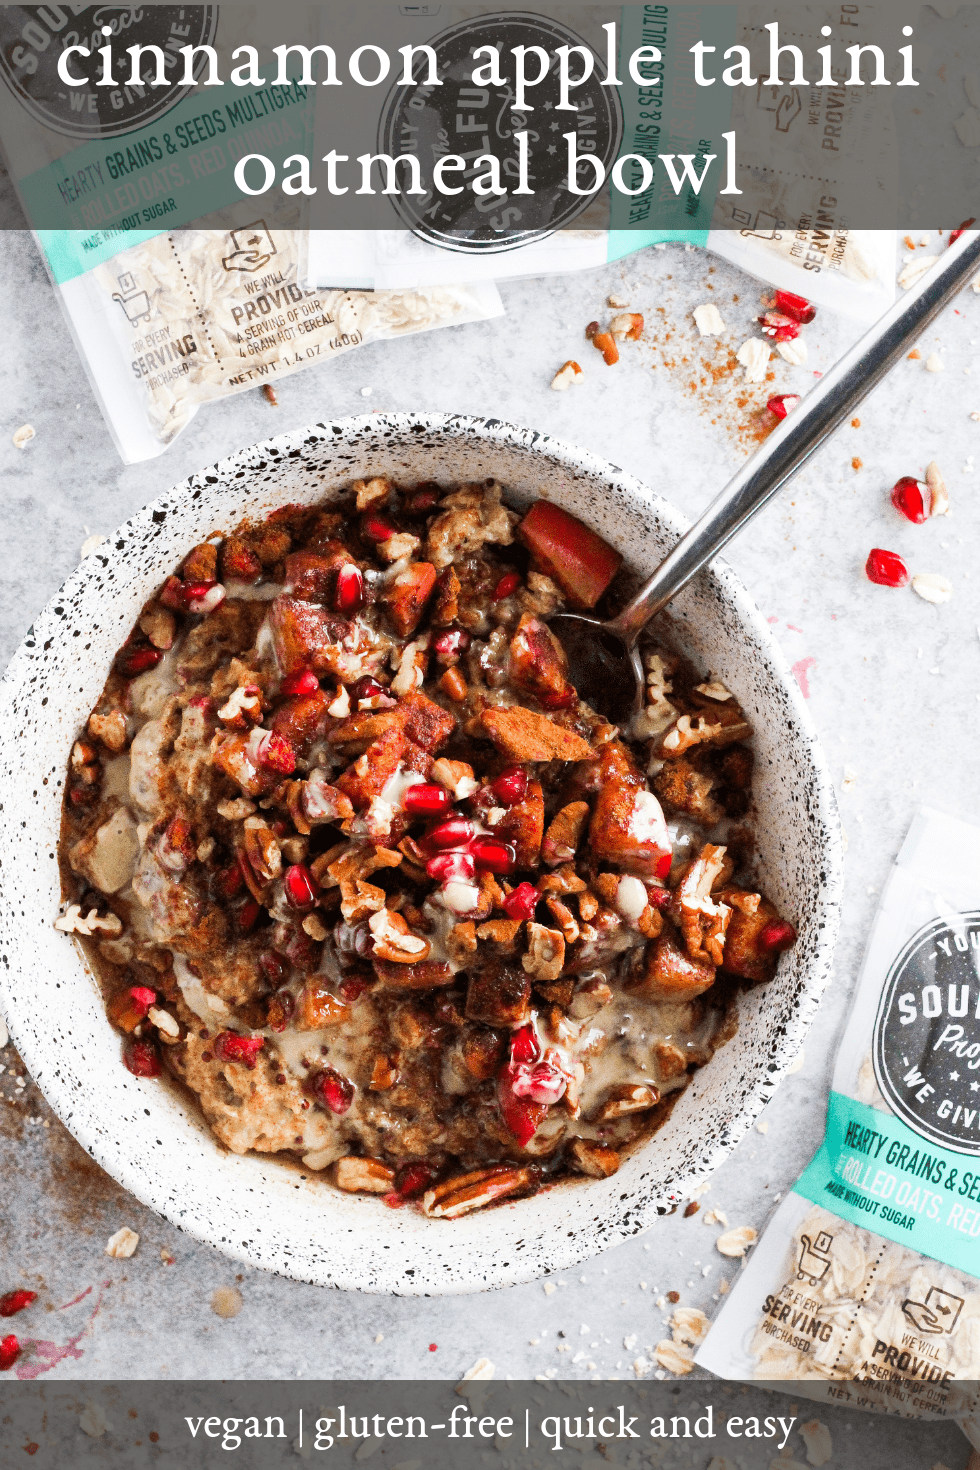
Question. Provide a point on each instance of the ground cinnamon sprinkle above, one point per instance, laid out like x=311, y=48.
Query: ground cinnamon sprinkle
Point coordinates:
x=856, y=463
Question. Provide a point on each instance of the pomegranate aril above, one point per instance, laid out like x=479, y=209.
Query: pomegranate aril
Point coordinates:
x=783, y=403
x=300, y=886
x=451, y=645
x=348, y=594
x=332, y=1090
x=275, y=753
x=541, y=1083
x=778, y=935
x=15, y=1301
x=420, y=502
x=492, y=855
x=231, y=881
x=521, y=1115
x=143, y=997
x=510, y=786
x=393, y=1200
x=779, y=327
x=352, y=988
x=377, y=528
x=659, y=898
x=173, y=594
x=797, y=307
x=230, y=1047
x=9, y=1352
x=524, y=1045
x=561, y=699
x=911, y=497
x=141, y=1058
x=521, y=902
x=365, y=688
x=664, y=864
x=507, y=585
x=450, y=867
x=204, y=597
x=300, y=684
x=248, y=915
x=135, y=661
x=413, y=1179
x=886, y=568
x=453, y=832
x=423, y=800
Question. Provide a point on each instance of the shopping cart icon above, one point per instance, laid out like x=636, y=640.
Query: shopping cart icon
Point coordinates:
x=134, y=302
x=814, y=1262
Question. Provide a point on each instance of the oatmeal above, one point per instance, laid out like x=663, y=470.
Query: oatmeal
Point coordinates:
x=359, y=869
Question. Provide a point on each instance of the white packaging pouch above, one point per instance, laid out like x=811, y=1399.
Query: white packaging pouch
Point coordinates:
x=177, y=320
x=864, y=1286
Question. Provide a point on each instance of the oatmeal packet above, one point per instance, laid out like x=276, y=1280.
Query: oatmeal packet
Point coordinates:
x=865, y=1284
x=177, y=320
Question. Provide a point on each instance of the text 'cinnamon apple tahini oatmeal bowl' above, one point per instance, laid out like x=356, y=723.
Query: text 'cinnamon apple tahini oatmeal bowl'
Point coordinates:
x=419, y=974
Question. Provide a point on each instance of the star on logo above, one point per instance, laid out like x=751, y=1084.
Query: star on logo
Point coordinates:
x=975, y=1086
x=547, y=106
x=554, y=127
x=552, y=148
x=954, y=1076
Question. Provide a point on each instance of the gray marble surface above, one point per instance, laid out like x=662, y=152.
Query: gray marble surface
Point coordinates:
x=893, y=686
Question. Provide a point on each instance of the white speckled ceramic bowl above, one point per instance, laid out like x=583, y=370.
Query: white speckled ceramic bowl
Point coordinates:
x=142, y=1132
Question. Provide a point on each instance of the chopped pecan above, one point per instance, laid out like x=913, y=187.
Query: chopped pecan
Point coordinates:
x=461, y=942
x=159, y=625
x=564, y=918
x=545, y=958
x=317, y=1006
x=588, y=906
x=110, y=728
x=347, y=866
x=362, y=1176
x=369, y=493
x=626, y=1098
x=562, y=880
x=589, y=999
x=384, y=1072
x=595, y=1159
x=261, y=847
x=671, y=1061
x=446, y=608
x=468, y=1192
x=522, y=824
x=502, y=932
x=718, y=726
x=456, y=776
x=564, y=833
x=525, y=735
x=393, y=941
x=703, y=920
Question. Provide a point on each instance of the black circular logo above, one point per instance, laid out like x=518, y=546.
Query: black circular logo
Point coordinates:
x=473, y=120
x=927, y=1033
x=32, y=37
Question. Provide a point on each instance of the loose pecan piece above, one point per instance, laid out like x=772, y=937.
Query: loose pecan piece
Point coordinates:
x=595, y=1159
x=362, y=1176
x=468, y=1192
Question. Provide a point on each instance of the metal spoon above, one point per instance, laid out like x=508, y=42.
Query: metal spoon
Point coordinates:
x=603, y=661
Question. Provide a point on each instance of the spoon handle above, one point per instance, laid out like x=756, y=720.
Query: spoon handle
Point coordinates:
x=801, y=434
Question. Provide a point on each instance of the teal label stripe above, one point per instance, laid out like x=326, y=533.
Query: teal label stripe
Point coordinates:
x=672, y=115
x=874, y=1171
x=116, y=192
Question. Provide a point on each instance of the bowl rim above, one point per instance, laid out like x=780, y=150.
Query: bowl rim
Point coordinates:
x=575, y=1247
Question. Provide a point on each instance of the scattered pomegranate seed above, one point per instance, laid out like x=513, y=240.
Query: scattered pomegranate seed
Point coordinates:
x=492, y=855
x=433, y=1347
x=248, y=915
x=420, y=502
x=910, y=496
x=450, y=867
x=664, y=865
x=425, y=800
x=541, y=1083
x=783, y=403
x=510, y=786
x=377, y=528
x=143, y=998
x=352, y=988
x=394, y=1200
x=231, y=881
x=274, y=967
x=954, y=235
x=135, y=661
x=563, y=699
x=301, y=887
x=275, y=753
x=348, y=594
x=332, y=1090
x=778, y=935
x=173, y=594
x=659, y=898
x=304, y=683
x=524, y=1045
x=141, y=1058
x=797, y=307
x=779, y=327
x=230, y=1047
x=886, y=568
x=521, y=1115
x=280, y=1010
x=366, y=688
x=9, y=1352
x=413, y=1179
x=508, y=583
x=15, y=1301
x=521, y=903
x=450, y=646
x=453, y=832
x=203, y=597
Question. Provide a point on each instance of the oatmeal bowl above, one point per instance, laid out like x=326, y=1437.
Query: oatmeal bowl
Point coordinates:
x=338, y=928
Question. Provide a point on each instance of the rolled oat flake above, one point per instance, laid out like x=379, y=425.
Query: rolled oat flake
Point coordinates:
x=864, y=1287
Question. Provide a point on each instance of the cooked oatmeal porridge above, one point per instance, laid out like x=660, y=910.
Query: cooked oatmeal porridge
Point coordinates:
x=356, y=866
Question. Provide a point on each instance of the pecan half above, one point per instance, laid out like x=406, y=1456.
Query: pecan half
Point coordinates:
x=469, y=1192
x=626, y=1098
x=362, y=1176
x=545, y=958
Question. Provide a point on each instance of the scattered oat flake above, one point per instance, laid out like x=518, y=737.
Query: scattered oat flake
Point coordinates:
x=567, y=374
x=616, y=301
x=380, y=1337
x=92, y=1421
x=90, y=543
x=932, y=587
x=736, y=1242
x=716, y=1217
x=23, y=436
x=707, y=319
x=816, y=1437
x=793, y=352
x=934, y=363
x=915, y=268
x=481, y=1372
x=674, y=1356
x=754, y=356
x=123, y=1244
x=689, y=1325
x=939, y=495
x=550, y=1288
x=762, y=1126
x=850, y=779
x=226, y=1301
x=166, y=1257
